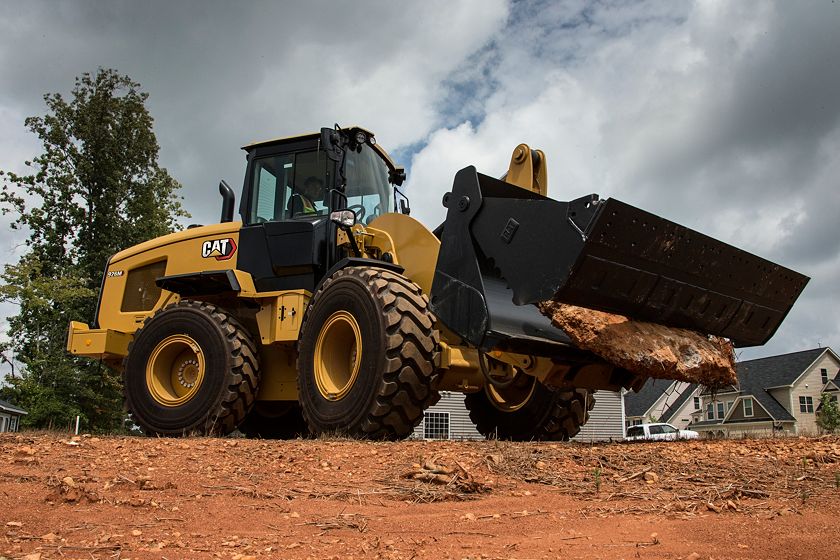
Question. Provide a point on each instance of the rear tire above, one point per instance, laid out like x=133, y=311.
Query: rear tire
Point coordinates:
x=367, y=355
x=191, y=368
x=529, y=411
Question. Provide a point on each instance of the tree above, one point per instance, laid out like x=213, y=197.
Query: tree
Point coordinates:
x=96, y=189
x=828, y=418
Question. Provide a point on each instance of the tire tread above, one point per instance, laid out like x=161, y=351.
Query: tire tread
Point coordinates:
x=242, y=380
x=412, y=347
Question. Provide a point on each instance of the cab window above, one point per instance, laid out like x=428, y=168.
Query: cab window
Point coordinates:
x=368, y=191
x=289, y=186
x=635, y=431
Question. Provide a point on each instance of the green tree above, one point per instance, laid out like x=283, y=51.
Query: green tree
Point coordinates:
x=828, y=418
x=96, y=189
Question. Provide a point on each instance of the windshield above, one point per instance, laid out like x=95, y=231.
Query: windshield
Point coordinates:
x=368, y=191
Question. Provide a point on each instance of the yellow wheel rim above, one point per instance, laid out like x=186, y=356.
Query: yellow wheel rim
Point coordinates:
x=513, y=397
x=338, y=356
x=175, y=370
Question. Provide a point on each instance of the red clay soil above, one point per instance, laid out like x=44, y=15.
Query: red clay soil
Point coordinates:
x=238, y=499
x=647, y=349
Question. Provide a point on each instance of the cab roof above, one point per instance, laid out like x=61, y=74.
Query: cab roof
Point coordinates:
x=314, y=135
x=281, y=140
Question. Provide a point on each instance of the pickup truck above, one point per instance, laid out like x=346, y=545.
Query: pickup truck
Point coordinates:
x=659, y=431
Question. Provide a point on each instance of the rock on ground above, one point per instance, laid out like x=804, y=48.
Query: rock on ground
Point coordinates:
x=644, y=348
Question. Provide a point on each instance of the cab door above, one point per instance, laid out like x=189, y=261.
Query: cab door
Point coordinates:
x=282, y=246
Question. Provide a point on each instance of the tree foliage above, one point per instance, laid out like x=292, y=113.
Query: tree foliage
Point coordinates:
x=95, y=189
x=828, y=418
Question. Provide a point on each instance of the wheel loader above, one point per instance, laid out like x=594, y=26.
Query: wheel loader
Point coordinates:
x=327, y=308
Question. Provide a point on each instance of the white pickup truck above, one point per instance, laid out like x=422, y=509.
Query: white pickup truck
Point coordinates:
x=654, y=432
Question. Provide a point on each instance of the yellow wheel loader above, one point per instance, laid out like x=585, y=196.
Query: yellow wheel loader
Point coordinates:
x=327, y=308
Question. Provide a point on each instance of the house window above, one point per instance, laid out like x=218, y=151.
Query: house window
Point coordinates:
x=696, y=403
x=720, y=411
x=824, y=375
x=436, y=425
x=710, y=412
x=748, y=407
x=729, y=405
x=806, y=404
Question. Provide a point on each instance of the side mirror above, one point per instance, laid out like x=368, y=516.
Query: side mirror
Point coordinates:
x=343, y=218
x=330, y=141
x=397, y=176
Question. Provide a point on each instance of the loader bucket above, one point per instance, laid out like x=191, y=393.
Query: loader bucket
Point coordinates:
x=503, y=246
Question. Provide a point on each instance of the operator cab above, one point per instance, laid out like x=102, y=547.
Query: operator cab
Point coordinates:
x=368, y=191
x=292, y=185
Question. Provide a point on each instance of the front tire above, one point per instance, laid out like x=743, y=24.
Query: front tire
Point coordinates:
x=367, y=355
x=528, y=410
x=191, y=368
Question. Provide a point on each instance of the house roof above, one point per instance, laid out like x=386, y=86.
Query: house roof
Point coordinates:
x=725, y=390
x=9, y=407
x=668, y=413
x=639, y=403
x=756, y=376
x=780, y=371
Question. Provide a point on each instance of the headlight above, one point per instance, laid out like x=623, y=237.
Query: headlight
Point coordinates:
x=346, y=218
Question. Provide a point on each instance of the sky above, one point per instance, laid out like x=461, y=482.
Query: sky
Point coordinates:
x=721, y=116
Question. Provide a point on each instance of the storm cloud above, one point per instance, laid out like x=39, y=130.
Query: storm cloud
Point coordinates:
x=723, y=116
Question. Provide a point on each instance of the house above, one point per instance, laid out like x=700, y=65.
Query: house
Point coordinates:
x=777, y=395
x=606, y=419
x=450, y=419
x=447, y=419
x=10, y=417
x=661, y=400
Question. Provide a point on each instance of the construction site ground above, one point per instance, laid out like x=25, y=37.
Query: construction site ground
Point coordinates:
x=238, y=499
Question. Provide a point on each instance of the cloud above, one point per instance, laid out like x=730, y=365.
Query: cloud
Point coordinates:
x=222, y=75
x=722, y=116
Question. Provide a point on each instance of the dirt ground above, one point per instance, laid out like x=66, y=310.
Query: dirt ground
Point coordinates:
x=238, y=499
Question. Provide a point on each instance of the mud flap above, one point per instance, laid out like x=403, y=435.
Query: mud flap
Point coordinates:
x=601, y=254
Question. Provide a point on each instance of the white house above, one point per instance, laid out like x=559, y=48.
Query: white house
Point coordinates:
x=662, y=400
x=776, y=395
x=10, y=417
x=449, y=419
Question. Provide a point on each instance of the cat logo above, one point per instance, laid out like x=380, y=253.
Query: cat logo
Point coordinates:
x=221, y=249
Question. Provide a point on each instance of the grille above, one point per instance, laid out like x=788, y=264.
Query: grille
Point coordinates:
x=141, y=292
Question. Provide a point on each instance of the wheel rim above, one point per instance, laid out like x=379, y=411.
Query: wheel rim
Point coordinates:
x=514, y=396
x=175, y=370
x=338, y=356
